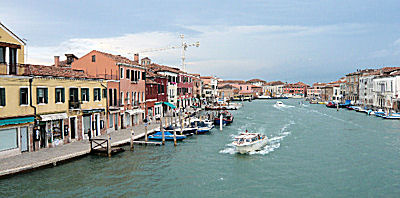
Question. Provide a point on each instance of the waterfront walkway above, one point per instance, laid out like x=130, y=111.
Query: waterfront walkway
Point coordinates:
x=50, y=156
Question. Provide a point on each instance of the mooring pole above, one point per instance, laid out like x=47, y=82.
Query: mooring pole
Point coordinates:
x=220, y=122
x=132, y=136
x=181, y=122
x=162, y=131
x=174, y=132
x=145, y=132
x=108, y=145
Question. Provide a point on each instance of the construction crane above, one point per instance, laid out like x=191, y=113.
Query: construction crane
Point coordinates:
x=183, y=46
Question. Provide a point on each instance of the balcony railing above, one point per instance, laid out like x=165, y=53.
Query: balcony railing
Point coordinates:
x=74, y=104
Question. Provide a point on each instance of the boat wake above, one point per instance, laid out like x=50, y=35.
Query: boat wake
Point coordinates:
x=272, y=145
x=282, y=106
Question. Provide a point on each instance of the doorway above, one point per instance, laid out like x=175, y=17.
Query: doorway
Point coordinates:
x=72, y=122
x=24, y=139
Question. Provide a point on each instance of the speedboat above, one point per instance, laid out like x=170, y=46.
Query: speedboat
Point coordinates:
x=202, y=127
x=168, y=136
x=248, y=142
x=279, y=103
x=188, y=131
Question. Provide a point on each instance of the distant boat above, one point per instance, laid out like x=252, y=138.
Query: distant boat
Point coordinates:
x=248, y=142
x=168, y=136
x=392, y=116
x=331, y=105
x=279, y=104
x=202, y=127
x=186, y=130
x=227, y=118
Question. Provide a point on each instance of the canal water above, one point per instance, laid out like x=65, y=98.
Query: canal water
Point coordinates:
x=313, y=152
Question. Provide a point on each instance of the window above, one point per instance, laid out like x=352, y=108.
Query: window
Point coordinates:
x=94, y=58
x=132, y=75
x=60, y=95
x=133, y=101
x=138, y=75
x=115, y=97
x=2, y=96
x=121, y=95
x=127, y=98
x=96, y=94
x=143, y=96
x=143, y=75
x=23, y=96
x=41, y=95
x=110, y=98
x=104, y=93
x=121, y=73
x=138, y=96
x=85, y=94
x=8, y=139
x=128, y=74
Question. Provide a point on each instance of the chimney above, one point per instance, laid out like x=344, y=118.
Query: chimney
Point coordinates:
x=136, y=57
x=56, y=61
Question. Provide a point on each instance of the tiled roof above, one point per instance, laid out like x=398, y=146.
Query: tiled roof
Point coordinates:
x=232, y=81
x=206, y=77
x=256, y=80
x=42, y=70
x=118, y=58
x=159, y=68
x=274, y=83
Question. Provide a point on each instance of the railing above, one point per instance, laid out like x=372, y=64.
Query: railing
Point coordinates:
x=74, y=105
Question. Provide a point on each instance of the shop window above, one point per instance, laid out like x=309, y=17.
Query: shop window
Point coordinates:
x=60, y=95
x=2, y=96
x=85, y=94
x=42, y=95
x=8, y=139
x=96, y=94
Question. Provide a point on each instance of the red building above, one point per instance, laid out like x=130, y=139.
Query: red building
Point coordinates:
x=126, y=86
x=156, y=94
x=185, y=90
x=299, y=89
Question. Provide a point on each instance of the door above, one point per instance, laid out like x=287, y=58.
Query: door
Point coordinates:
x=24, y=139
x=97, y=123
x=73, y=127
x=116, y=121
x=43, y=137
x=86, y=127
x=122, y=121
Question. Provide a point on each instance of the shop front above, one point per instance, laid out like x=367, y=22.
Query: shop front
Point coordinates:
x=15, y=135
x=51, y=127
x=93, y=123
x=135, y=116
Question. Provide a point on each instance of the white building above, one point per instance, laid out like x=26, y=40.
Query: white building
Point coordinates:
x=274, y=88
x=365, y=90
x=384, y=89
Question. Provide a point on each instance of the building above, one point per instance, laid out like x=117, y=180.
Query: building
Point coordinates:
x=295, y=89
x=315, y=90
x=210, y=85
x=257, y=82
x=226, y=92
x=125, y=82
x=274, y=88
x=185, y=90
x=352, y=84
x=156, y=94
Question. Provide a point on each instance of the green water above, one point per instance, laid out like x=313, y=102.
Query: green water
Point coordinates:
x=313, y=152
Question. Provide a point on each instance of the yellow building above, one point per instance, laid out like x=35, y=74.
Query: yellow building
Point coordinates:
x=11, y=51
x=47, y=106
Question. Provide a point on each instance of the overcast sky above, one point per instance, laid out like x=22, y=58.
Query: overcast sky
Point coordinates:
x=301, y=40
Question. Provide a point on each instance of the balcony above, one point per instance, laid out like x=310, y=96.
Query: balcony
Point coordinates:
x=74, y=104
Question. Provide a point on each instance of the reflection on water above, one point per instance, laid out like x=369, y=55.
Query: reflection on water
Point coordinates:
x=312, y=151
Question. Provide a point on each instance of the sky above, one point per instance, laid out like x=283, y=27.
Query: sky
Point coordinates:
x=303, y=40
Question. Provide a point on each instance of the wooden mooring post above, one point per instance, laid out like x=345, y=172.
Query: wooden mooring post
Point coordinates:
x=145, y=132
x=220, y=122
x=132, y=136
x=174, y=132
x=162, y=131
x=108, y=145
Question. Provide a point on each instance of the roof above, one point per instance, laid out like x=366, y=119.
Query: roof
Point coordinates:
x=160, y=68
x=42, y=70
x=274, y=83
x=232, y=81
x=118, y=58
x=12, y=33
x=206, y=77
x=227, y=87
x=149, y=81
x=256, y=80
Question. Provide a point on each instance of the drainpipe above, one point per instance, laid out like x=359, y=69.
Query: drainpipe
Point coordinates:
x=34, y=109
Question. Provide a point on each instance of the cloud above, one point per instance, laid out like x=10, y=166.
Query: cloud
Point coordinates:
x=226, y=51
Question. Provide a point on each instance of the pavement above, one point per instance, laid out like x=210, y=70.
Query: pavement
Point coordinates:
x=50, y=156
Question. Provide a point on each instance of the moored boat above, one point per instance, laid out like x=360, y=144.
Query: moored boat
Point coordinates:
x=248, y=142
x=168, y=136
x=227, y=118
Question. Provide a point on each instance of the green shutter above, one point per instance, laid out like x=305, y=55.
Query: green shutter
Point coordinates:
x=46, y=95
x=2, y=97
x=37, y=95
x=62, y=95
x=20, y=96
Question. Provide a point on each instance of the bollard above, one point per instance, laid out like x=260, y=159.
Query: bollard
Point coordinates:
x=220, y=122
x=132, y=136
x=162, y=131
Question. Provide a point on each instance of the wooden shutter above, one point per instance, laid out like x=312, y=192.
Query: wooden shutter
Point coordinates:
x=45, y=95
x=62, y=95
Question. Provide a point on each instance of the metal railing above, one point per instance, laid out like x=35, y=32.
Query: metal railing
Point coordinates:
x=74, y=104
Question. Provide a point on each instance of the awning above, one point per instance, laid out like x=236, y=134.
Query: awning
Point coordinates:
x=57, y=116
x=16, y=120
x=92, y=111
x=170, y=105
x=134, y=111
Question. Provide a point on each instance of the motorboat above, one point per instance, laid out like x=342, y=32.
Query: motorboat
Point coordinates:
x=248, y=142
x=188, y=131
x=202, y=127
x=392, y=116
x=168, y=136
x=279, y=104
x=227, y=118
x=331, y=105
